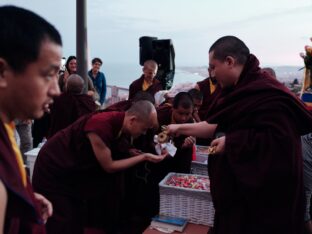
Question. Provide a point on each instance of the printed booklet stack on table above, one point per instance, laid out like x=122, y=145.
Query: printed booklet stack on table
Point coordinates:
x=168, y=223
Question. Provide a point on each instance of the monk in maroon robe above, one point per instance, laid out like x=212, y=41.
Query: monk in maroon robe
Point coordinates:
x=147, y=81
x=210, y=90
x=23, y=212
x=70, y=105
x=29, y=64
x=74, y=165
x=256, y=168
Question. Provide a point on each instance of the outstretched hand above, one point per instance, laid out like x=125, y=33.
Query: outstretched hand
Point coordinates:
x=172, y=129
x=155, y=158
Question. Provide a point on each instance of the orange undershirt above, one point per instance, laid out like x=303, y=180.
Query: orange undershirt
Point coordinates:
x=212, y=87
x=10, y=130
x=146, y=85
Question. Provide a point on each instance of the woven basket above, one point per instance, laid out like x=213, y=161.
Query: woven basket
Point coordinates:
x=192, y=204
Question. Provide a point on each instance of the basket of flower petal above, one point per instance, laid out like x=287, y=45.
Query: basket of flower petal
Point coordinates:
x=187, y=196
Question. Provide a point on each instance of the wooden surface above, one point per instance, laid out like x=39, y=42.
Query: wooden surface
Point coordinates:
x=190, y=229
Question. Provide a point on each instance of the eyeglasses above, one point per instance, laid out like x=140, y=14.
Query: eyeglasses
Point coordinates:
x=97, y=64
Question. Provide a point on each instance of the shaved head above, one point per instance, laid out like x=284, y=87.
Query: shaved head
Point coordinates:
x=142, y=109
x=74, y=84
x=139, y=118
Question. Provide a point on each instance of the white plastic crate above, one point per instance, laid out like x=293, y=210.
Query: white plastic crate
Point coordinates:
x=31, y=158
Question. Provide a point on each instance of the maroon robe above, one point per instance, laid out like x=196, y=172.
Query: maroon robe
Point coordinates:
x=208, y=97
x=22, y=214
x=119, y=106
x=68, y=173
x=181, y=162
x=256, y=185
x=137, y=85
x=67, y=108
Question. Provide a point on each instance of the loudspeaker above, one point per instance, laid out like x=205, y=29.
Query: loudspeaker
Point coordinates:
x=163, y=54
x=146, y=48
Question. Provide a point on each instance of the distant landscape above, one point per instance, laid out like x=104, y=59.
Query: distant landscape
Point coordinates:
x=285, y=74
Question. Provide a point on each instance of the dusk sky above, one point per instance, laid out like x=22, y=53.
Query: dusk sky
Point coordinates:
x=274, y=30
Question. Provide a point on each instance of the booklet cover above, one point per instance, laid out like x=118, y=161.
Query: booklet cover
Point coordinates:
x=168, y=223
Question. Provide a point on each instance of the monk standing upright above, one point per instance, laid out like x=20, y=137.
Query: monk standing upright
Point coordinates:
x=30, y=58
x=70, y=105
x=256, y=171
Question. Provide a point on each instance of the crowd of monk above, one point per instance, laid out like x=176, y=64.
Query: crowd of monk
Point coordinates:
x=99, y=169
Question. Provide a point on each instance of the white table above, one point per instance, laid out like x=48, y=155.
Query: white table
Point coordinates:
x=31, y=158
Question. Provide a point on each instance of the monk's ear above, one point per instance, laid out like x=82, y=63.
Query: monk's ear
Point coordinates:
x=132, y=119
x=4, y=68
x=230, y=61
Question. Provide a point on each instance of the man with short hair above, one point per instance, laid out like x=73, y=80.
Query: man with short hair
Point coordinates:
x=197, y=97
x=98, y=79
x=210, y=90
x=147, y=81
x=255, y=167
x=30, y=57
x=74, y=165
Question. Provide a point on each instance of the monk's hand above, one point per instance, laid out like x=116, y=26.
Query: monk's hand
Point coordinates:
x=134, y=152
x=155, y=158
x=196, y=115
x=172, y=130
x=218, y=145
x=45, y=206
x=189, y=142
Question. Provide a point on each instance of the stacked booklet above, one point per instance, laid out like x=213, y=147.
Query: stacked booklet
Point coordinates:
x=163, y=222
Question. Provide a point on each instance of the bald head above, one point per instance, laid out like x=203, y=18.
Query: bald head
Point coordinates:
x=270, y=71
x=139, y=118
x=141, y=109
x=74, y=84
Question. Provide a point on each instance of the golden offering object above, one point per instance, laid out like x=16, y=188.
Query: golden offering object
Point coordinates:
x=212, y=150
x=162, y=137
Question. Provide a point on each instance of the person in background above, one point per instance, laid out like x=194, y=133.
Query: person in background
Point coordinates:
x=23, y=129
x=270, y=71
x=70, y=105
x=98, y=79
x=255, y=165
x=210, y=90
x=147, y=81
x=70, y=68
x=197, y=97
x=30, y=57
